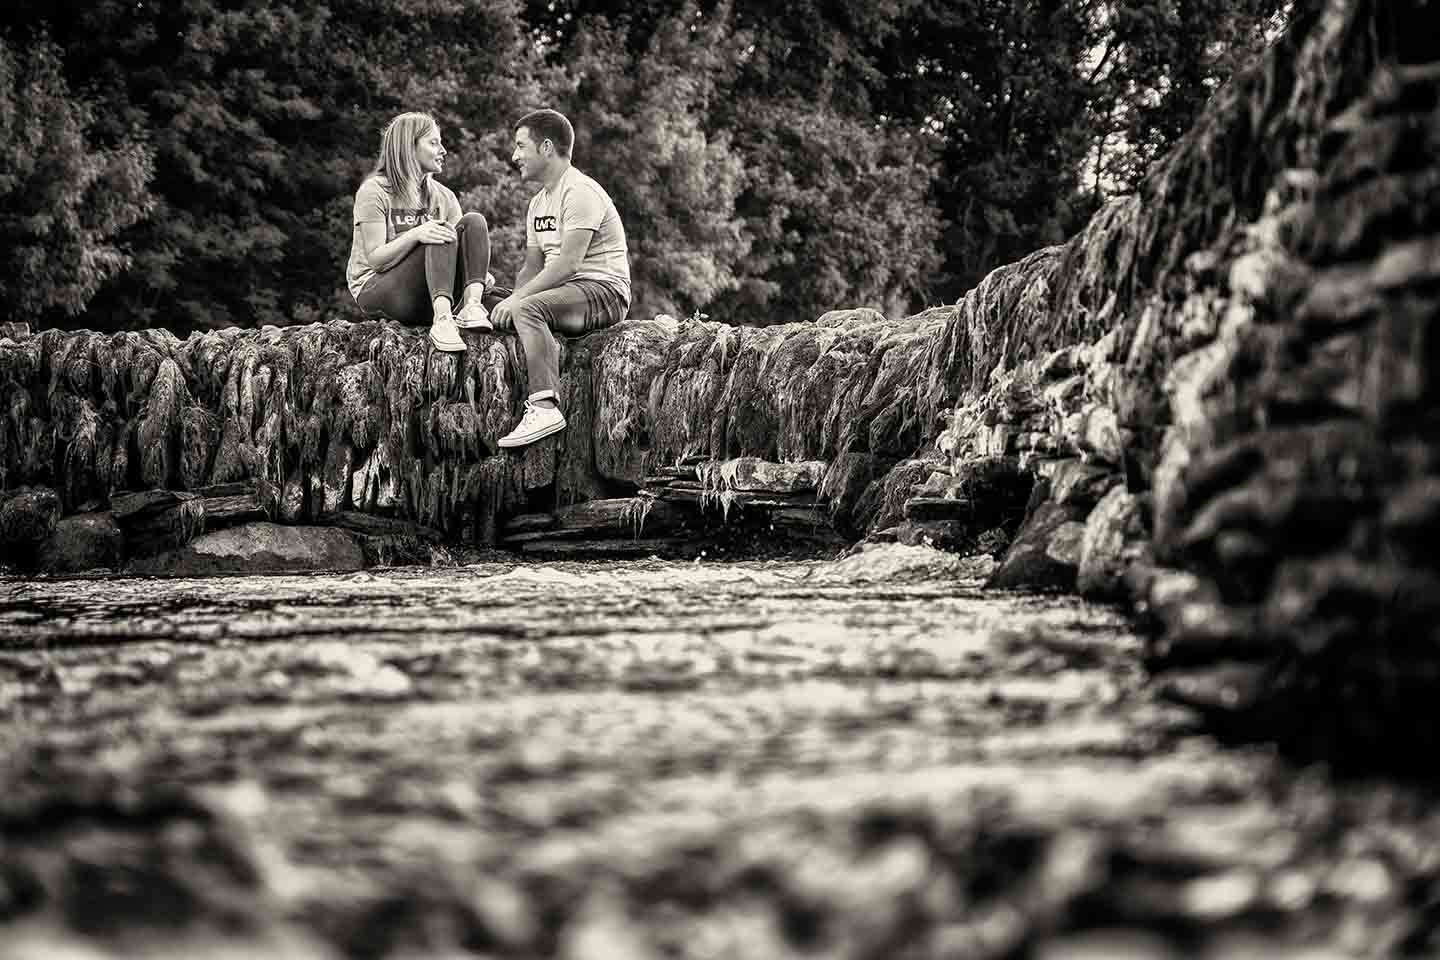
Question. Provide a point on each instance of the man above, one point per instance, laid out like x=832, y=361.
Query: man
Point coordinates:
x=576, y=275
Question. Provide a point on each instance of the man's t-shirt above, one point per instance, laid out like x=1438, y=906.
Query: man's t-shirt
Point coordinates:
x=372, y=205
x=579, y=203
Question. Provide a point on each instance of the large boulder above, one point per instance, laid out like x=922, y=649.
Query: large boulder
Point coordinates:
x=82, y=542
x=1045, y=554
x=257, y=548
x=27, y=521
x=1115, y=538
x=154, y=521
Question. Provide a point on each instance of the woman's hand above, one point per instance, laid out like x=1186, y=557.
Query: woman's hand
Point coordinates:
x=435, y=231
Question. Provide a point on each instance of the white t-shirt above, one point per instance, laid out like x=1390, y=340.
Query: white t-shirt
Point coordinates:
x=579, y=203
x=373, y=205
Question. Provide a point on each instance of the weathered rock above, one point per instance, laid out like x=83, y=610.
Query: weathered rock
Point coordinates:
x=938, y=509
x=613, y=547
x=1065, y=543
x=27, y=522
x=387, y=541
x=845, y=482
x=632, y=516
x=1114, y=535
x=153, y=521
x=754, y=474
x=227, y=504
x=256, y=548
x=1081, y=484
x=528, y=523
x=1196, y=626
x=811, y=523
x=83, y=541
x=1045, y=553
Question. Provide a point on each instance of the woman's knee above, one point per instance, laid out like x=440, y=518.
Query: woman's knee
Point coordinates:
x=473, y=221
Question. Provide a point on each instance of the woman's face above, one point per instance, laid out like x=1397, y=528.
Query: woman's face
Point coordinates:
x=430, y=151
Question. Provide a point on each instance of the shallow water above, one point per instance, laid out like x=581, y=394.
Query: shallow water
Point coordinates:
x=861, y=758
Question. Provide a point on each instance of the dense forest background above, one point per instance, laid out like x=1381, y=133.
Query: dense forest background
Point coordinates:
x=192, y=163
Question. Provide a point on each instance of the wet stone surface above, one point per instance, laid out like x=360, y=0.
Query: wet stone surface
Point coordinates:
x=870, y=757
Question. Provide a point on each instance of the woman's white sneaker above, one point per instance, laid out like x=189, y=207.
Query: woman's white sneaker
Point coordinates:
x=444, y=335
x=538, y=422
x=474, y=316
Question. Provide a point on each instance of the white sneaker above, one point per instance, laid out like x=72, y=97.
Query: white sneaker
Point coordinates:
x=444, y=335
x=538, y=422
x=474, y=316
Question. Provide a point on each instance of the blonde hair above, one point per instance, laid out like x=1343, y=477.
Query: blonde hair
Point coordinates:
x=397, y=161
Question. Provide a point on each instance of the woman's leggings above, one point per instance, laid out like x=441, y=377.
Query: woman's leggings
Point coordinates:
x=406, y=291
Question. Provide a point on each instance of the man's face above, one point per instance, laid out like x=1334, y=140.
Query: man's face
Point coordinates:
x=528, y=157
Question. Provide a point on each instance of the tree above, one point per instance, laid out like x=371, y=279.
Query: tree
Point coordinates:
x=640, y=133
x=263, y=118
x=815, y=206
x=1155, y=65
x=63, y=197
x=839, y=212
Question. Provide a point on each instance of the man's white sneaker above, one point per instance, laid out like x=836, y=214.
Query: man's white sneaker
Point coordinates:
x=444, y=336
x=474, y=316
x=538, y=422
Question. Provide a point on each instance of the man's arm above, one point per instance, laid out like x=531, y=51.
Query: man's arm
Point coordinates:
x=534, y=260
x=557, y=271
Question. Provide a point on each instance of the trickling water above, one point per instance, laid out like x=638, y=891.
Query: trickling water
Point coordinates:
x=857, y=758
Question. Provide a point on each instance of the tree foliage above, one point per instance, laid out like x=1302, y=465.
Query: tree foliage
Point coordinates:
x=192, y=163
x=641, y=137
x=62, y=201
x=264, y=117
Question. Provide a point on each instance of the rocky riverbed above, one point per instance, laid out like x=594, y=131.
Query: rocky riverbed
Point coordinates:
x=861, y=757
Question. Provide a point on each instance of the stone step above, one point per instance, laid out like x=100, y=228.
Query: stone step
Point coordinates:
x=713, y=498
x=371, y=525
x=622, y=515
x=608, y=547
x=529, y=523
x=154, y=521
x=239, y=502
x=933, y=509
x=751, y=474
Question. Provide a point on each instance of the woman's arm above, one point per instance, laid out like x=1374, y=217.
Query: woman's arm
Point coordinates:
x=384, y=255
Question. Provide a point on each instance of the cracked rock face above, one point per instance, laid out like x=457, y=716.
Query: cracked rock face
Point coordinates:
x=1256, y=373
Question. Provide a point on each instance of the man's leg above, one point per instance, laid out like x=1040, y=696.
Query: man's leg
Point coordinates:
x=575, y=307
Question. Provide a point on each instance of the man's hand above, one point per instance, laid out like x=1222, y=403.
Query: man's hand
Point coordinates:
x=502, y=315
x=435, y=231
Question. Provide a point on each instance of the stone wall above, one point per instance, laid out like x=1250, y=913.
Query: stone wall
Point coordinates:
x=1262, y=395
x=343, y=418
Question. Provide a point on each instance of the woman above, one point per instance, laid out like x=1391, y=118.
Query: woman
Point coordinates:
x=409, y=234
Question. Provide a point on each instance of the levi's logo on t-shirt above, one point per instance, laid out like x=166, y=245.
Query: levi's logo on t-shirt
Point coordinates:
x=404, y=219
x=543, y=224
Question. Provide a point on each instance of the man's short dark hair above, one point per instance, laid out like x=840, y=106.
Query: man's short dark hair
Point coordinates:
x=549, y=125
